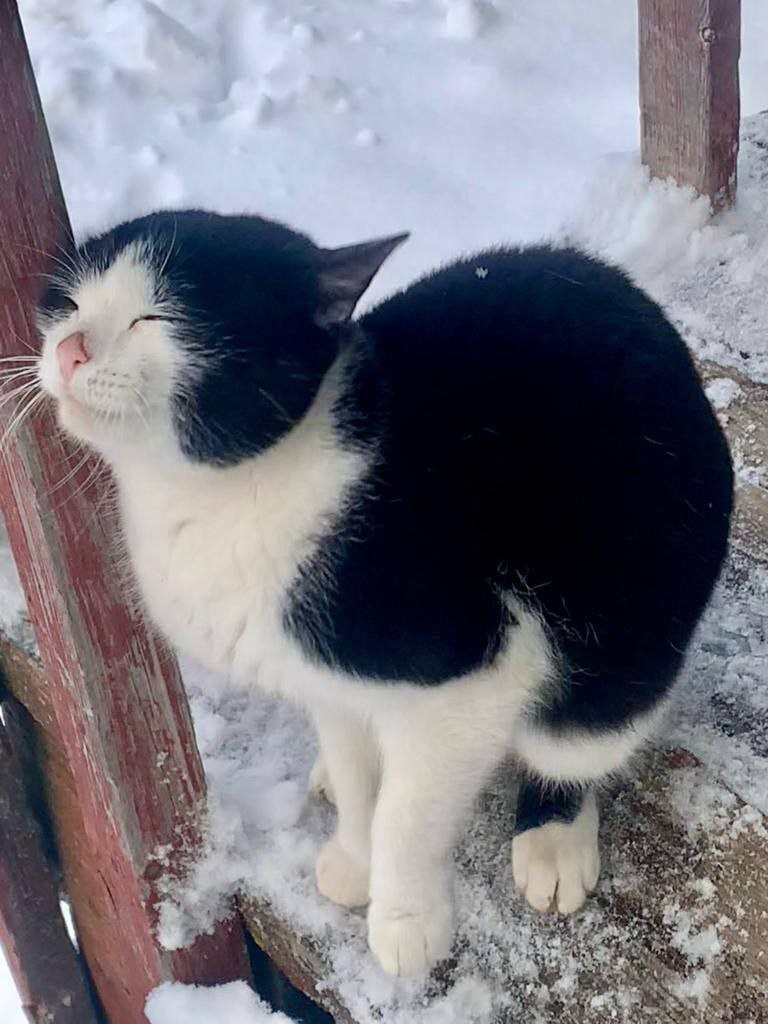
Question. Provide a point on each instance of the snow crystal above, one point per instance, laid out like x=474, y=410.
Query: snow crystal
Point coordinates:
x=703, y=945
x=704, y=887
x=722, y=391
x=696, y=986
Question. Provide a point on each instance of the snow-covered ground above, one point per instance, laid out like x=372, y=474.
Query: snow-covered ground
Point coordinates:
x=467, y=122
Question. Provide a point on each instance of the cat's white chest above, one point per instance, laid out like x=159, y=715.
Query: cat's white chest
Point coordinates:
x=216, y=551
x=209, y=576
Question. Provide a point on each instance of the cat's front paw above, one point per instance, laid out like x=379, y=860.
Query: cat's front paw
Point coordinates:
x=408, y=942
x=340, y=877
x=559, y=861
x=320, y=781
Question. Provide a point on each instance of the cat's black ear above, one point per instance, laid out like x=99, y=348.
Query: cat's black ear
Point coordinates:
x=345, y=273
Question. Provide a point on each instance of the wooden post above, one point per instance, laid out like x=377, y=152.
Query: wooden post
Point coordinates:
x=118, y=709
x=689, y=93
x=43, y=962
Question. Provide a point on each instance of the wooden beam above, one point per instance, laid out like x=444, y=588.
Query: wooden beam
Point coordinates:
x=689, y=93
x=117, y=707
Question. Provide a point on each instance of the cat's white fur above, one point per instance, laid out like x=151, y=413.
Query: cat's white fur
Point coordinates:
x=215, y=551
x=559, y=861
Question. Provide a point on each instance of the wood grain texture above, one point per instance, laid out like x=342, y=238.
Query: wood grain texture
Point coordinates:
x=745, y=422
x=689, y=93
x=117, y=708
x=296, y=955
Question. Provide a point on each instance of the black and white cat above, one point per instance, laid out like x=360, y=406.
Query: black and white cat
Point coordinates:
x=480, y=521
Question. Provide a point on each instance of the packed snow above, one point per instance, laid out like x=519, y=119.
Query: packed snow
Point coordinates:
x=190, y=1004
x=469, y=123
x=10, y=1008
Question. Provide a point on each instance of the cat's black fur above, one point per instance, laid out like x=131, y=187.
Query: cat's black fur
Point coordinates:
x=537, y=429
x=540, y=429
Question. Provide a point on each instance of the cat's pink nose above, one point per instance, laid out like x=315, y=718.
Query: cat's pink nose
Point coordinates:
x=72, y=353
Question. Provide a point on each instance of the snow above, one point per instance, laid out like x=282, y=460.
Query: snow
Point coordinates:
x=468, y=122
x=722, y=391
x=190, y=1004
x=466, y=19
x=10, y=1008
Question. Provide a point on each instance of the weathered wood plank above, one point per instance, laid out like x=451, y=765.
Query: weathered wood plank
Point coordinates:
x=45, y=966
x=745, y=421
x=690, y=881
x=689, y=93
x=118, y=711
x=295, y=955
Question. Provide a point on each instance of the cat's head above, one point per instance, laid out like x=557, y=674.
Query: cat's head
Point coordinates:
x=195, y=334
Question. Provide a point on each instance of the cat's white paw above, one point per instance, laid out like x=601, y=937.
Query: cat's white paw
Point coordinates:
x=320, y=781
x=407, y=943
x=559, y=861
x=340, y=877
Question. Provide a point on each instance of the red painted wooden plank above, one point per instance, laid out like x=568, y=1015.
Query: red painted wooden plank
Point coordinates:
x=119, y=705
x=689, y=93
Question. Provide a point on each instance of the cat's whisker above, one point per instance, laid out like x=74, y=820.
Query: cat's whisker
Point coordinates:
x=96, y=470
x=8, y=374
x=77, y=449
x=19, y=393
x=274, y=402
x=68, y=269
x=71, y=258
x=170, y=249
x=16, y=381
x=72, y=473
x=106, y=503
x=57, y=280
x=67, y=260
x=142, y=402
x=22, y=416
x=8, y=366
x=11, y=373
x=21, y=341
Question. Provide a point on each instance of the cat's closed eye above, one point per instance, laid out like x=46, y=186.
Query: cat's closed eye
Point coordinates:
x=148, y=316
x=69, y=304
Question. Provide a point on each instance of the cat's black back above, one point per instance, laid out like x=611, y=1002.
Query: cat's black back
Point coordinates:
x=539, y=431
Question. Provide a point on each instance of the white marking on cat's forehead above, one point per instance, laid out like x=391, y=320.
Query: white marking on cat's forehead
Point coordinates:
x=128, y=283
x=122, y=393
